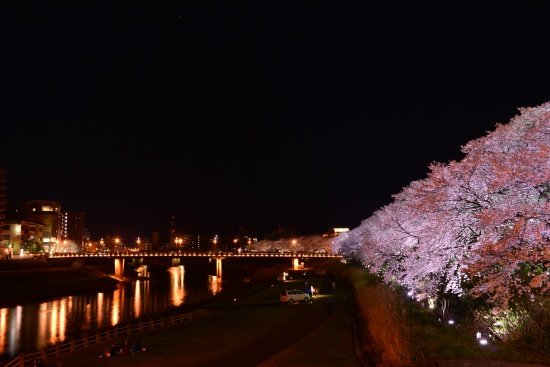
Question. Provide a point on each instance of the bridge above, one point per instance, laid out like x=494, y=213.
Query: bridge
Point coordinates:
x=137, y=257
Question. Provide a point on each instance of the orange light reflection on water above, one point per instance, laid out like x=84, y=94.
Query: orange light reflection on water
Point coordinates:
x=215, y=286
x=116, y=304
x=3, y=327
x=99, y=311
x=137, y=298
x=45, y=324
x=177, y=294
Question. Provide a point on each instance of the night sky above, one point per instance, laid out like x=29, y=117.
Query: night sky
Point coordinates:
x=304, y=115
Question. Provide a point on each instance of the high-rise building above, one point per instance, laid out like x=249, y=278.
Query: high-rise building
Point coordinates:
x=75, y=228
x=172, y=230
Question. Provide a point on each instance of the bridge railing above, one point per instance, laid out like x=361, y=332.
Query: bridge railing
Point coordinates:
x=72, y=345
x=132, y=254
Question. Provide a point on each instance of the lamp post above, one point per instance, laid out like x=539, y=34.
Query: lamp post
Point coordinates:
x=102, y=244
x=178, y=242
x=117, y=241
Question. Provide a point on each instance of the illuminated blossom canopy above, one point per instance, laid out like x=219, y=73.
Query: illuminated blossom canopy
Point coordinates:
x=480, y=225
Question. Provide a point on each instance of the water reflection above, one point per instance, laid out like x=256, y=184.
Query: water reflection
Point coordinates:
x=31, y=327
x=214, y=285
x=177, y=285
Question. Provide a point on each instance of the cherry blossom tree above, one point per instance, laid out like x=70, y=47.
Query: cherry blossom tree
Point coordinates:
x=510, y=259
x=480, y=225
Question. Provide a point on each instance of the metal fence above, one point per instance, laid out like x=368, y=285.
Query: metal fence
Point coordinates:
x=73, y=345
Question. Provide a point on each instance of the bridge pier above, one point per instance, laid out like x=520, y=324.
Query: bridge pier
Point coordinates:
x=295, y=263
x=219, y=269
x=119, y=268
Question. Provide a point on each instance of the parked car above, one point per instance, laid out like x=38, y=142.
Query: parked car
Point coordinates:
x=294, y=295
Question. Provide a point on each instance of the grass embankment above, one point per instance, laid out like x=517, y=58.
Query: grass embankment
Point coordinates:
x=399, y=332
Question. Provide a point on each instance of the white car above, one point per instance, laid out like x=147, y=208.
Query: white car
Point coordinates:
x=294, y=295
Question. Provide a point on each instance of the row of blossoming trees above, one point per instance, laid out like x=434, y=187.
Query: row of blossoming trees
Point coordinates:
x=480, y=226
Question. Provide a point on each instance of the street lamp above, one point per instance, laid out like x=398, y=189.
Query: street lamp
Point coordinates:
x=138, y=242
x=102, y=245
x=117, y=241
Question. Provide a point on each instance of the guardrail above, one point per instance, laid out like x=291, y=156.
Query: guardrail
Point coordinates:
x=73, y=345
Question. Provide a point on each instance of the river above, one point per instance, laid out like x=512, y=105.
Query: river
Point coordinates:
x=31, y=327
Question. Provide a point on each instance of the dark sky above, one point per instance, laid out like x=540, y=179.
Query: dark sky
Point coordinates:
x=302, y=114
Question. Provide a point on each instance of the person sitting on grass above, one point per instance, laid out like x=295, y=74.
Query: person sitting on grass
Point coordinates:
x=136, y=346
x=106, y=351
x=125, y=349
x=114, y=349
